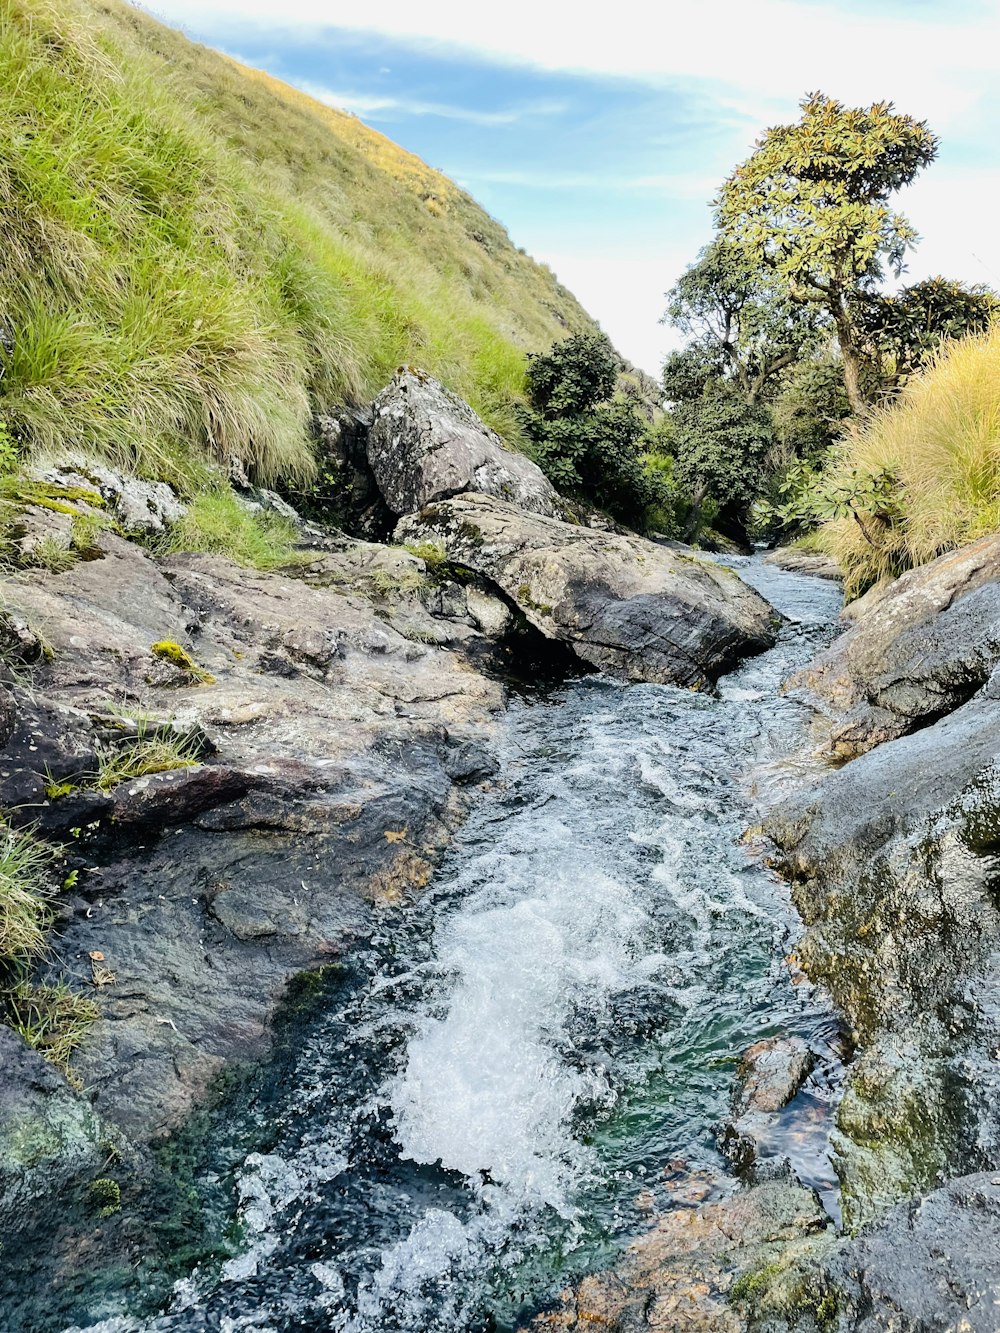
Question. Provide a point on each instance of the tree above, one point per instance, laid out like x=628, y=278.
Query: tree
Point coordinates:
x=586, y=440
x=809, y=412
x=812, y=205
x=742, y=322
x=902, y=330
x=720, y=444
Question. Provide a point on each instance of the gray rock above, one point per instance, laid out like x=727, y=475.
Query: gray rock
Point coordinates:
x=922, y=646
x=893, y=866
x=138, y=506
x=929, y=1264
x=49, y=1135
x=333, y=786
x=817, y=564
x=426, y=445
x=346, y=492
x=630, y=607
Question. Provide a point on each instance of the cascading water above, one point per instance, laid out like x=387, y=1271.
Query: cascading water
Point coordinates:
x=489, y=1109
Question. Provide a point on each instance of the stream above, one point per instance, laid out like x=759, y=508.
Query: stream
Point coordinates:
x=521, y=1065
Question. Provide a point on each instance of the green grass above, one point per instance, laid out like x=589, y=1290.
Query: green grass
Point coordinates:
x=52, y=1018
x=158, y=753
x=25, y=911
x=941, y=440
x=219, y=524
x=194, y=257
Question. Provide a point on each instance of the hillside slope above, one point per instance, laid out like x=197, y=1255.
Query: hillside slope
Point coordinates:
x=194, y=257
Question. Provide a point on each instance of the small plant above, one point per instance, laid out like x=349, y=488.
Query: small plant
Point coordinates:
x=51, y=554
x=168, y=651
x=158, y=753
x=432, y=553
x=25, y=913
x=105, y=1195
x=84, y=533
x=52, y=1019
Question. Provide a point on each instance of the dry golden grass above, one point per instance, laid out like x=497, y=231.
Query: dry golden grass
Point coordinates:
x=941, y=438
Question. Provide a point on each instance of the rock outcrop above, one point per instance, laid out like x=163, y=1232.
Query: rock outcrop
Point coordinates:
x=627, y=606
x=695, y=1269
x=333, y=755
x=426, y=445
x=917, y=649
x=814, y=563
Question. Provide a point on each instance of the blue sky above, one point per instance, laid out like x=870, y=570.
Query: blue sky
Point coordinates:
x=598, y=141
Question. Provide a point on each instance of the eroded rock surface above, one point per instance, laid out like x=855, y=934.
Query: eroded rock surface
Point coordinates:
x=425, y=445
x=333, y=755
x=919, y=648
x=625, y=605
x=691, y=1272
x=893, y=862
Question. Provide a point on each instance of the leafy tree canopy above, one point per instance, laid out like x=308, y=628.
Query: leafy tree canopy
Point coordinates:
x=812, y=204
x=720, y=445
x=901, y=331
x=742, y=321
x=587, y=441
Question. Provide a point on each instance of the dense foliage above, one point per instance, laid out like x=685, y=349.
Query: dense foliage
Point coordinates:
x=584, y=435
x=813, y=206
x=790, y=331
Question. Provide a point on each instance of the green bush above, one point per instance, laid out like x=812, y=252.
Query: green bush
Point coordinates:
x=586, y=440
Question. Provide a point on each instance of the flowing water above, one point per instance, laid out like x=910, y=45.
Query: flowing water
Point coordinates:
x=523, y=1061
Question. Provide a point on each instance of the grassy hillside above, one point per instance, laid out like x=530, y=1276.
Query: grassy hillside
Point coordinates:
x=194, y=257
x=940, y=442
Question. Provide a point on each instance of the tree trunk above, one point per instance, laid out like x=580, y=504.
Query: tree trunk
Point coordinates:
x=851, y=358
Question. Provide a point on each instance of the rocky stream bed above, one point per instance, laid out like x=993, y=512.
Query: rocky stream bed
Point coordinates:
x=557, y=928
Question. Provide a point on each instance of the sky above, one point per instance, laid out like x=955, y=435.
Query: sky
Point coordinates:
x=598, y=135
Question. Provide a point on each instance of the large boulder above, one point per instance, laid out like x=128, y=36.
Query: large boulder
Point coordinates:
x=630, y=607
x=425, y=445
x=893, y=866
x=918, y=649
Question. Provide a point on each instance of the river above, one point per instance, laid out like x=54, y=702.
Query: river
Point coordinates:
x=520, y=1062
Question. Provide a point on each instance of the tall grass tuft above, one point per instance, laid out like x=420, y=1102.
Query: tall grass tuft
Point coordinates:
x=194, y=257
x=941, y=440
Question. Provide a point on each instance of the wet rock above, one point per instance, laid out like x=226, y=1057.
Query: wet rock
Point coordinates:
x=922, y=646
x=49, y=1135
x=929, y=1264
x=630, y=607
x=323, y=795
x=769, y=1075
x=690, y=1273
x=817, y=564
x=49, y=743
x=771, y=1072
x=426, y=445
x=893, y=862
x=346, y=492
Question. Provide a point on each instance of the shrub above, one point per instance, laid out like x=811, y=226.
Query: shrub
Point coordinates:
x=586, y=441
x=939, y=442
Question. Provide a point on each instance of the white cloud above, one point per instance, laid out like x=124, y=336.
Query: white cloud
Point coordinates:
x=676, y=185
x=373, y=106
x=934, y=66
